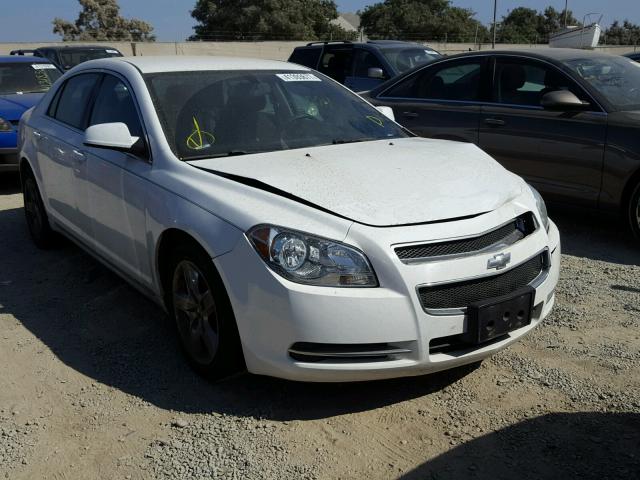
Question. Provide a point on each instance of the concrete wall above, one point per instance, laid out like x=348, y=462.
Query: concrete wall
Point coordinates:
x=270, y=50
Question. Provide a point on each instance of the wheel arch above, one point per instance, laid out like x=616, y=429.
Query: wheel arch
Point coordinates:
x=628, y=189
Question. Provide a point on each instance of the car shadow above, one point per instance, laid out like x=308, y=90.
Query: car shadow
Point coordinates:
x=586, y=445
x=9, y=183
x=98, y=325
x=594, y=235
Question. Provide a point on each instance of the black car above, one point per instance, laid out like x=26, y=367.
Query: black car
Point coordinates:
x=363, y=66
x=568, y=121
x=68, y=57
x=635, y=56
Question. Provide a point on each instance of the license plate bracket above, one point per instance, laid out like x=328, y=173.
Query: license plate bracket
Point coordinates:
x=494, y=317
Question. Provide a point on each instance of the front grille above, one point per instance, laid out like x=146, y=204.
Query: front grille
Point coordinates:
x=508, y=234
x=459, y=295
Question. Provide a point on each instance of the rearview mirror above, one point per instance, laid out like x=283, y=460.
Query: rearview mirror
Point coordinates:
x=374, y=72
x=387, y=112
x=563, y=100
x=115, y=136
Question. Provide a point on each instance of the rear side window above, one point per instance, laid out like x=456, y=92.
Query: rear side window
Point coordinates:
x=460, y=81
x=72, y=105
x=306, y=56
x=114, y=103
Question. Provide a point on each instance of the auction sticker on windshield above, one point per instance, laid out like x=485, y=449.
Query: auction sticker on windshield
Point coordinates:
x=43, y=66
x=298, y=77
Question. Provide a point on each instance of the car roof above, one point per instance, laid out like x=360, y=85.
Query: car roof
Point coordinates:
x=76, y=47
x=557, y=54
x=22, y=59
x=368, y=43
x=179, y=63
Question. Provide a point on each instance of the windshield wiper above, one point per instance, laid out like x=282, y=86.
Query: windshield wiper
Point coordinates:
x=232, y=153
x=340, y=141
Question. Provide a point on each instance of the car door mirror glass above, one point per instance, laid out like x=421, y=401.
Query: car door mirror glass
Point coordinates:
x=563, y=100
x=375, y=72
x=387, y=112
x=110, y=135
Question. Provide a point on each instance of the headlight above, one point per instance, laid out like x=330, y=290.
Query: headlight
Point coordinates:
x=5, y=126
x=542, y=208
x=311, y=260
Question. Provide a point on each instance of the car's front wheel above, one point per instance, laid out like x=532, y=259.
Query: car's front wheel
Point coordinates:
x=36, y=215
x=203, y=316
x=634, y=211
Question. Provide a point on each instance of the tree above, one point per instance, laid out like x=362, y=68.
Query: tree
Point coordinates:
x=266, y=20
x=526, y=25
x=100, y=20
x=421, y=20
x=626, y=34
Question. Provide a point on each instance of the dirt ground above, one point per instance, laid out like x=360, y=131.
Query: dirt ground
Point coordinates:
x=92, y=385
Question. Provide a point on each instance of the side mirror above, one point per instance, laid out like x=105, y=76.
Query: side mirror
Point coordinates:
x=387, y=112
x=375, y=73
x=563, y=100
x=115, y=136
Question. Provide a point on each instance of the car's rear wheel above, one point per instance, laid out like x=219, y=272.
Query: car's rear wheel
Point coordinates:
x=634, y=211
x=203, y=316
x=36, y=215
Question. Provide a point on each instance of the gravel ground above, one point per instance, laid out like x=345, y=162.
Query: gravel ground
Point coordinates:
x=92, y=385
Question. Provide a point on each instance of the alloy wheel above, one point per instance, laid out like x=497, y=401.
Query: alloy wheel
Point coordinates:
x=195, y=312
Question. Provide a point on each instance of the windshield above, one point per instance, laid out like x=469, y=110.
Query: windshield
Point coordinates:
x=221, y=113
x=27, y=77
x=71, y=58
x=616, y=78
x=405, y=58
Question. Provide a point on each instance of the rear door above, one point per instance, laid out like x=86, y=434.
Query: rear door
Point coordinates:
x=441, y=100
x=59, y=156
x=560, y=153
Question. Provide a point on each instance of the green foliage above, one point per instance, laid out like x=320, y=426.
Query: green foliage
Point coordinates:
x=100, y=20
x=421, y=20
x=267, y=20
x=626, y=34
x=526, y=25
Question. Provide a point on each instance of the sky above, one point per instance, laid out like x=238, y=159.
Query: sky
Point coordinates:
x=30, y=20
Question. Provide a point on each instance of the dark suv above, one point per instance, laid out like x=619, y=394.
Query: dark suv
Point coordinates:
x=68, y=57
x=363, y=66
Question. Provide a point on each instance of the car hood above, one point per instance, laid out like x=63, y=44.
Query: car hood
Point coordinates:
x=380, y=183
x=13, y=106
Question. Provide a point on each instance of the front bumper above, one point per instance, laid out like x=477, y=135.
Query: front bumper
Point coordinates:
x=275, y=317
x=8, y=159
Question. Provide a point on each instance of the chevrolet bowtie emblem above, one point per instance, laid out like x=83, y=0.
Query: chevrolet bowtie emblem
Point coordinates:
x=499, y=261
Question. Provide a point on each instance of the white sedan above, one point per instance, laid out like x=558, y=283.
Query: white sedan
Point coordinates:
x=285, y=223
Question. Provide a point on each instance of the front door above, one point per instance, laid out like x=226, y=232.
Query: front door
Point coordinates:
x=560, y=153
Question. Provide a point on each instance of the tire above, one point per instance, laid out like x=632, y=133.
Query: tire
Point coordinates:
x=633, y=211
x=202, y=314
x=36, y=215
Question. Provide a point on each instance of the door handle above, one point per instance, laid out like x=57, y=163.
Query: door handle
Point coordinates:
x=60, y=151
x=410, y=114
x=37, y=134
x=79, y=155
x=495, y=122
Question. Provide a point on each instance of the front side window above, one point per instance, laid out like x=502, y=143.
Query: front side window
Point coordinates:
x=114, y=103
x=615, y=78
x=336, y=63
x=27, y=77
x=221, y=113
x=72, y=104
x=365, y=60
x=460, y=82
x=520, y=82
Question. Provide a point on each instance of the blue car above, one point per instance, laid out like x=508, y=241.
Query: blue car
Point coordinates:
x=23, y=82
